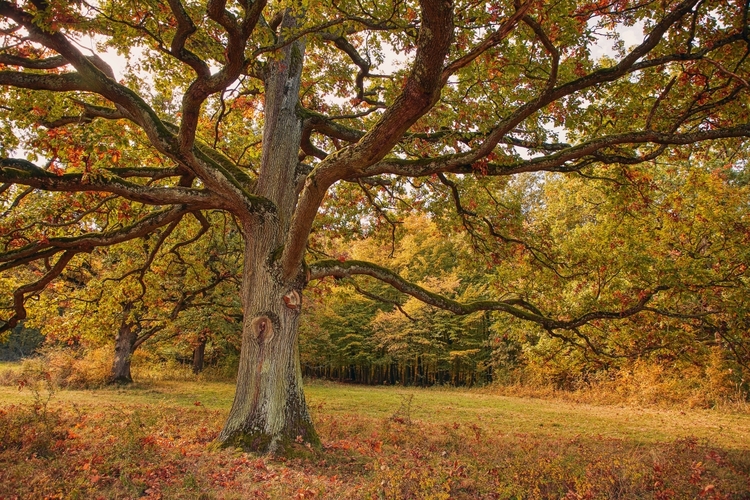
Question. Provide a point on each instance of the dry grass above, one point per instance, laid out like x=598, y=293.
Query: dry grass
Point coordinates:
x=154, y=441
x=645, y=385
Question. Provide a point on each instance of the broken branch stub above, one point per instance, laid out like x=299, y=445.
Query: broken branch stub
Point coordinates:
x=292, y=299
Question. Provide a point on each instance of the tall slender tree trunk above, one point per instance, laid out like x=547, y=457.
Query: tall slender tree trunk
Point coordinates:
x=269, y=413
x=124, y=348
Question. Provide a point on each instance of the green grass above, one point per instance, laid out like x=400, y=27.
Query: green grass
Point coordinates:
x=557, y=418
x=153, y=440
x=447, y=406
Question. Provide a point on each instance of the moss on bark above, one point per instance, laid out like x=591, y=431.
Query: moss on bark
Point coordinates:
x=301, y=441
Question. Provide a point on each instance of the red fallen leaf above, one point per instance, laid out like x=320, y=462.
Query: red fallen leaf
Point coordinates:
x=708, y=489
x=198, y=403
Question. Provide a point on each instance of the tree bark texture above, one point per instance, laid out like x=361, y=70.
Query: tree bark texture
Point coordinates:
x=269, y=413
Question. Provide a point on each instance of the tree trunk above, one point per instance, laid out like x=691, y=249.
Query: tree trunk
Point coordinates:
x=198, y=354
x=269, y=413
x=124, y=348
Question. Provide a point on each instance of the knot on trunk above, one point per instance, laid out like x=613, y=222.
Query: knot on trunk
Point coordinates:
x=262, y=328
x=292, y=299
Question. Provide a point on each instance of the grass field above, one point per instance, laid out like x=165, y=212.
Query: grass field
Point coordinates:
x=154, y=441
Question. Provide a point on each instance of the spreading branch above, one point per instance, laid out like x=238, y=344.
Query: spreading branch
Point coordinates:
x=87, y=242
x=419, y=94
x=21, y=293
x=516, y=307
x=23, y=172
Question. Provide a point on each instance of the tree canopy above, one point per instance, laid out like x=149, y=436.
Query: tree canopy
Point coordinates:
x=301, y=117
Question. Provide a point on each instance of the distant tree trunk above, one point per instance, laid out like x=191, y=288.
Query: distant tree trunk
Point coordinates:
x=124, y=347
x=198, y=355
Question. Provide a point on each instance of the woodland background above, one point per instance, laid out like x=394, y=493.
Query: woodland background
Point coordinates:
x=585, y=241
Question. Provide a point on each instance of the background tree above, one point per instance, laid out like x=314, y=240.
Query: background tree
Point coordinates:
x=588, y=242
x=178, y=285
x=261, y=111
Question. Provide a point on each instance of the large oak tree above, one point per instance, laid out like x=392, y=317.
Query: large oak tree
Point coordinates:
x=262, y=110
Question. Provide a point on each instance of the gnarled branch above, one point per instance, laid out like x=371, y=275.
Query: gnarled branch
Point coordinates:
x=518, y=308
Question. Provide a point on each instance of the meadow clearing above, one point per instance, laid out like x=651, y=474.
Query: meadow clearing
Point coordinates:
x=154, y=440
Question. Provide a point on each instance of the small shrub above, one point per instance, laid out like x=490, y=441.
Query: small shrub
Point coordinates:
x=402, y=414
x=71, y=368
x=640, y=383
x=723, y=381
x=147, y=369
x=34, y=428
x=10, y=374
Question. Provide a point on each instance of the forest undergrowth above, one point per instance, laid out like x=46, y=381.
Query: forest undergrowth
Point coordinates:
x=155, y=440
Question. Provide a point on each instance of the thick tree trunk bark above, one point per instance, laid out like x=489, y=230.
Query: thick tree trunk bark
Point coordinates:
x=269, y=413
x=124, y=348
